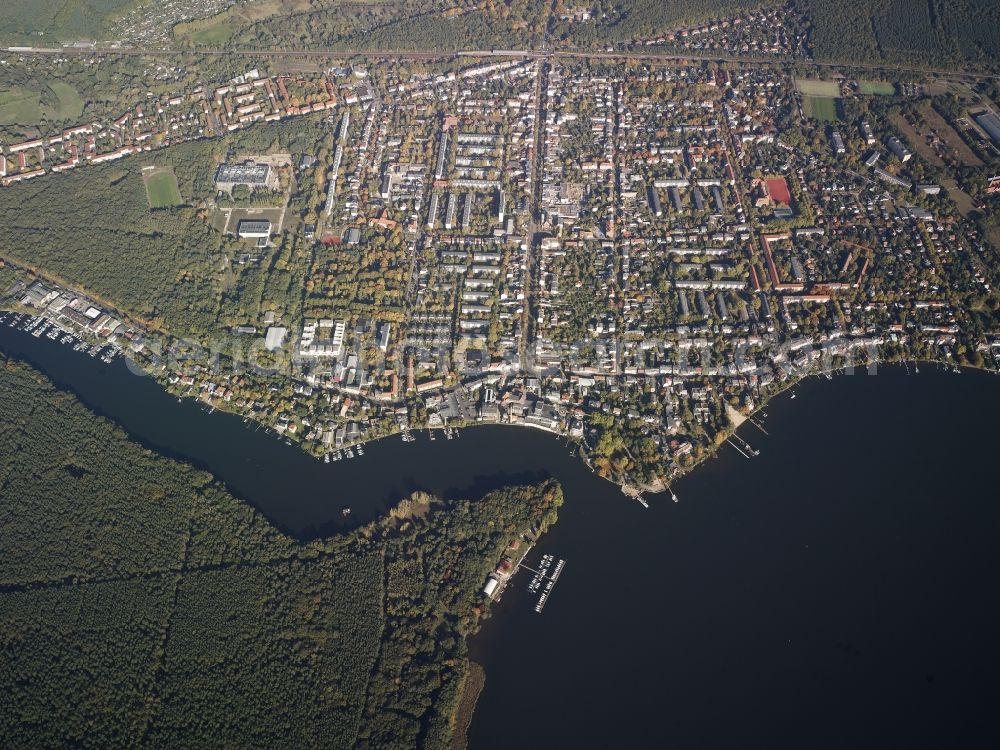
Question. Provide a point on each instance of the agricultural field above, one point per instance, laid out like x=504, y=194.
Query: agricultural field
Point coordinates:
x=876, y=88
x=161, y=189
x=822, y=108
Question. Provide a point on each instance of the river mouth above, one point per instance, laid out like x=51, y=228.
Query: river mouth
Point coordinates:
x=833, y=591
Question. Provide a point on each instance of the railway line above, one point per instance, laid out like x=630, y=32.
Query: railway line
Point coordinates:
x=543, y=54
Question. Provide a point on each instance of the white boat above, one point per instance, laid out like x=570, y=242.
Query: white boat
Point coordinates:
x=642, y=501
x=674, y=497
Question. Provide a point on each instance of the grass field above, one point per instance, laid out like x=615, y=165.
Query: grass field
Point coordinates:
x=822, y=108
x=218, y=29
x=19, y=107
x=161, y=190
x=216, y=34
x=23, y=106
x=952, y=139
x=69, y=105
x=916, y=140
x=993, y=237
x=812, y=87
x=876, y=88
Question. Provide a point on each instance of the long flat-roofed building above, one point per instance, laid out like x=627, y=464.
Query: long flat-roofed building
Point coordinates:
x=248, y=173
x=255, y=228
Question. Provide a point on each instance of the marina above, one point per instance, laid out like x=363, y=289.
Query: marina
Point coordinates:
x=544, y=580
x=40, y=325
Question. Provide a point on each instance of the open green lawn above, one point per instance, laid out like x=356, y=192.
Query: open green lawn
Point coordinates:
x=19, y=107
x=876, y=88
x=821, y=108
x=68, y=105
x=161, y=190
x=812, y=87
x=22, y=106
x=216, y=34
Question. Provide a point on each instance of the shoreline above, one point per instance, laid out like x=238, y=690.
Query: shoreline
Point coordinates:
x=472, y=688
x=631, y=488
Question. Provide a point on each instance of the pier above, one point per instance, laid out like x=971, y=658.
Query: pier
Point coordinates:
x=544, y=579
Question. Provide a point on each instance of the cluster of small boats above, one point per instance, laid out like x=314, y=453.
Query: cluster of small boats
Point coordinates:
x=339, y=455
x=39, y=326
x=449, y=432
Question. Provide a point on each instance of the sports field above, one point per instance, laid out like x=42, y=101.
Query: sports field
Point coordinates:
x=813, y=87
x=777, y=188
x=161, y=190
x=822, y=108
x=876, y=88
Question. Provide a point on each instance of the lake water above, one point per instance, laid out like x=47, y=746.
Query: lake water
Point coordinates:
x=838, y=590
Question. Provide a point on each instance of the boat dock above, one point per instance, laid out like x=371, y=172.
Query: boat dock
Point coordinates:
x=545, y=578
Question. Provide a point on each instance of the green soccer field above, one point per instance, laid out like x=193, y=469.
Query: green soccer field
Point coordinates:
x=161, y=190
x=821, y=108
x=876, y=88
x=812, y=87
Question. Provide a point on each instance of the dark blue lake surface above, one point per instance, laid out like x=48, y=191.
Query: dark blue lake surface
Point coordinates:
x=839, y=590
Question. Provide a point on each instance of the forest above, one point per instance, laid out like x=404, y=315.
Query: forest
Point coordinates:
x=937, y=32
x=141, y=604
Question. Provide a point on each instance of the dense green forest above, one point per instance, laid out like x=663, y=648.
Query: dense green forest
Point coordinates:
x=904, y=31
x=141, y=604
x=896, y=31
